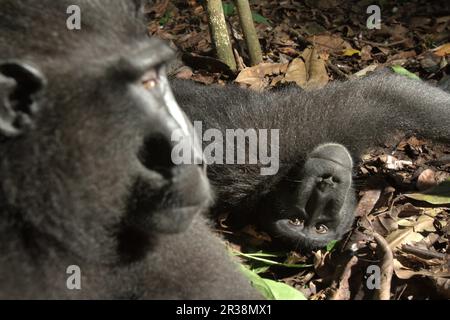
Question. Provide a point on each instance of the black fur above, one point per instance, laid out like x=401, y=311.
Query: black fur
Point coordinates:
x=85, y=171
x=357, y=114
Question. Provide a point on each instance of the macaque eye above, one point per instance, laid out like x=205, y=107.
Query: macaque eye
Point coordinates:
x=151, y=79
x=321, y=229
x=335, y=180
x=297, y=222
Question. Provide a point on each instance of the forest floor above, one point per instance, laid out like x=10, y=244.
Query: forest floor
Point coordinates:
x=403, y=187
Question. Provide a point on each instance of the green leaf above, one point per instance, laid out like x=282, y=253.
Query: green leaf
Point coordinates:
x=331, y=245
x=282, y=291
x=255, y=257
x=438, y=195
x=260, y=19
x=165, y=19
x=262, y=254
x=261, y=269
x=271, y=289
x=404, y=72
x=258, y=283
x=228, y=9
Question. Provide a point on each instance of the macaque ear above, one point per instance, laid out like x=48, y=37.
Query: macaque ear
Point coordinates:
x=19, y=85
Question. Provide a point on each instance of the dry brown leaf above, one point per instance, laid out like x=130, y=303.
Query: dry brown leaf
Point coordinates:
x=323, y=4
x=296, y=72
x=366, y=53
x=417, y=22
x=387, y=222
x=288, y=51
x=367, y=202
x=410, y=232
x=430, y=61
x=319, y=259
x=276, y=80
x=403, y=272
x=184, y=73
x=205, y=79
x=402, y=56
x=255, y=76
x=403, y=236
x=443, y=50
x=365, y=71
x=329, y=43
x=398, y=33
x=315, y=69
x=414, y=142
x=408, y=210
x=426, y=180
x=308, y=72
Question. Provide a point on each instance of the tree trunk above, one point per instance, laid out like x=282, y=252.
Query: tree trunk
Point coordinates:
x=219, y=33
x=248, y=28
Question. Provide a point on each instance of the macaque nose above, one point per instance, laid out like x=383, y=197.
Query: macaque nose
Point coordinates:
x=325, y=183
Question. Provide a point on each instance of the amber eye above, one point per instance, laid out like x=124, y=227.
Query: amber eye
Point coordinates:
x=296, y=222
x=321, y=229
x=150, y=79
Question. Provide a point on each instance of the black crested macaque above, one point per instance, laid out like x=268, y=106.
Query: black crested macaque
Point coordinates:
x=356, y=114
x=316, y=205
x=86, y=177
